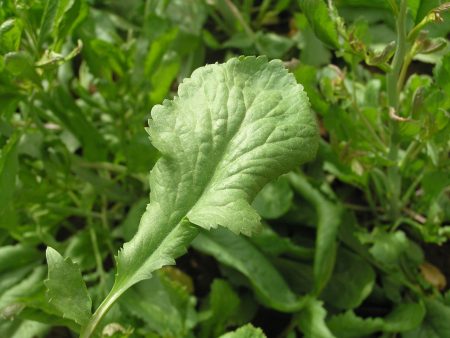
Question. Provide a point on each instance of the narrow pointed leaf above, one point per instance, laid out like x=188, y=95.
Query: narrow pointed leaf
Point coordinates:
x=240, y=254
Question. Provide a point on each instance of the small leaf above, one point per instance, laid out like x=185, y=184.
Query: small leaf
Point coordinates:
x=10, y=33
x=435, y=323
x=247, y=331
x=404, y=317
x=66, y=289
x=320, y=20
x=348, y=325
x=352, y=281
x=223, y=305
x=274, y=199
x=164, y=305
x=312, y=320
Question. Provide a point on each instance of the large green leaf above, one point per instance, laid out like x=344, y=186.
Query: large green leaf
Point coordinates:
x=66, y=288
x=232, y=128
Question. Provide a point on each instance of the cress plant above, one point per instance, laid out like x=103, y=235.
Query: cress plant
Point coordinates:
x=276, y=232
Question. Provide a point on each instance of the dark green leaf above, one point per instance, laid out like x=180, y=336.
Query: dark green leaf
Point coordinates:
x=352, y=281
x=328, y=221
x=239, y=253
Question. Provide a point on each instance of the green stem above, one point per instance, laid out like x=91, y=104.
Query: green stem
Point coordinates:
x=397, y=62
x=101, y=311
x=241, y=19
x=393, y=91
x=97, y=255
x=105, y=224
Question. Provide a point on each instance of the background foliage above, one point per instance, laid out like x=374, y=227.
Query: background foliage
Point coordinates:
x=360, y=235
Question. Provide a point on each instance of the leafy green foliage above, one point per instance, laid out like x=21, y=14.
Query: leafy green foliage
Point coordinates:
x=233, y=128
x=240, y=254
x=352, y=244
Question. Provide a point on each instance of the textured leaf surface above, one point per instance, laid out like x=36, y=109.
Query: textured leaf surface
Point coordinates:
x=232, y=128
x=66, y=288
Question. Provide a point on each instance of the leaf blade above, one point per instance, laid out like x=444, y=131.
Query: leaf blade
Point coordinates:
x=232, y=129
x=66, y=289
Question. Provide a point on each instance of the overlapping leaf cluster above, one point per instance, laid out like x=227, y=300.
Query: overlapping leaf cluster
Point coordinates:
x=353, y=244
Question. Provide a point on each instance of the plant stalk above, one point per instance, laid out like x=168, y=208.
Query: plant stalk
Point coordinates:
x=102, y=310
x=393, y=90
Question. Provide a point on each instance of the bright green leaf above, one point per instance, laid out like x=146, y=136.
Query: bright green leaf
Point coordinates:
x=247, y=331
x=10, y=33
x=67, y=291
x=233, y=128
x=311, y=320
x=320, y=20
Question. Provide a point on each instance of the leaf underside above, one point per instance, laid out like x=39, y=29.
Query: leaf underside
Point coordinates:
x=232, y=128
